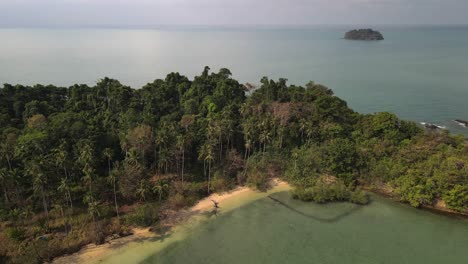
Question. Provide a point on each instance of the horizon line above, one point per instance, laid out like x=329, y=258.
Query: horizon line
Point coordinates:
x=162, y=26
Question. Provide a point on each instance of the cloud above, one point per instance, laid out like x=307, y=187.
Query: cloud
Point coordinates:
x=156, y=12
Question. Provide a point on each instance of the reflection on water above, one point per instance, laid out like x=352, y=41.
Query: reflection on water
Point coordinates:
x=336, y=218
x=278, y=229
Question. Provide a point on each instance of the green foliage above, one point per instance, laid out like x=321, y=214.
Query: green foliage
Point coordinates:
x=457, y=198
x=340, y=156
x=359, y=197
x=415, y=191
x=145, y=215
x=261, y=168
x=305, y=166
x=83, y=149
x=178, y=200
x=323, y=192
x=15, y=233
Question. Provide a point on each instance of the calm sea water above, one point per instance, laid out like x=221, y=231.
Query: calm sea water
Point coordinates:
x=265, y=231
x=419, y=73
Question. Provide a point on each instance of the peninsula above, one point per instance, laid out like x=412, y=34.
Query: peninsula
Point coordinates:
x=85, y=164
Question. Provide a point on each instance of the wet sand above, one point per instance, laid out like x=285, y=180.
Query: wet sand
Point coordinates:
x=181, y=219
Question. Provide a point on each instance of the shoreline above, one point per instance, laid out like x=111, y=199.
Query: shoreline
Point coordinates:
x=229, y=200
x=438, y=208
x=92, y=253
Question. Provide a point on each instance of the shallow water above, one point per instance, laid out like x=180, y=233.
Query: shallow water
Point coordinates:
x=138, y=251
x=419, y=73
x=265, y=231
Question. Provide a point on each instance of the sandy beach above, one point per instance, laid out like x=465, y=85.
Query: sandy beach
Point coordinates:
x=228, y=200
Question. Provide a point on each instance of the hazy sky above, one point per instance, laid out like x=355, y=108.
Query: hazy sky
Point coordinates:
x=230, y=12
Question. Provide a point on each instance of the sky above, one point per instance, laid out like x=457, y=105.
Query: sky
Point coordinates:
x=27, y=13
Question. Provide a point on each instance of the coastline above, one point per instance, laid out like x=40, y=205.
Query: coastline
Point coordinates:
x=196, y=214
x=230, y=200
x=438, y=208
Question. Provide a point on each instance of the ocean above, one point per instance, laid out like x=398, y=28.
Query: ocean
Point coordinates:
x=418, y=72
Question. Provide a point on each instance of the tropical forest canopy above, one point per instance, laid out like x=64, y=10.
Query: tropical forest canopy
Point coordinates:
x=109, y=151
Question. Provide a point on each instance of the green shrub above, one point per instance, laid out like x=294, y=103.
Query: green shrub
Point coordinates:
x=457, y=198
x=415, y=191
x=261, y=167
x=258, y=179
x=330, y=192
x=359, y=197
x=145, y=215
x=16, y=233
x=304, y=166
x=303, y=194
x=177, y=201
x=221, y=184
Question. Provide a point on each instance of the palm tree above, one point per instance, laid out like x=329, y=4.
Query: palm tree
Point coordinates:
x=295, y=156
x=309, y=131
x=39, y=181
x=7, y=152
x=59, y=157
x=65, y=189
x=248, y=147
x=161, y=141
x=228, y=124
x=302, y=127
x=4, y=173
x=181, y=146
x=207, y=155
x=218, y=132
x=86, y=156
x=160, y=187
x=164, y=159
x=112, y=179
x=93, y=208
x=142, y=190
x=264, y=138
x=108, y=154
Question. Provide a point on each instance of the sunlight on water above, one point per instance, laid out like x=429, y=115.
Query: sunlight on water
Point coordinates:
x=419, y=73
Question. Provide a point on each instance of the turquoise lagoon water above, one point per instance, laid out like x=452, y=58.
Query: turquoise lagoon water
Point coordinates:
x=265, y=231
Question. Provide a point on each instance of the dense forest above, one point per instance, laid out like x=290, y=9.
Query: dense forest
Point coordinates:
x=81, y=163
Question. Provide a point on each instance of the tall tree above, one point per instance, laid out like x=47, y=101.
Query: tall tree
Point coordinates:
x=112, y=179
x=39, y=180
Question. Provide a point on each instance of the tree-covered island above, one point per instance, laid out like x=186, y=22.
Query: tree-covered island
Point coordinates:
x=81, y=163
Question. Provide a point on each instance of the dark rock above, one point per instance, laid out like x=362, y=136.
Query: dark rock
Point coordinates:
x=363, y=34
x=431, y=126
x=461, y=122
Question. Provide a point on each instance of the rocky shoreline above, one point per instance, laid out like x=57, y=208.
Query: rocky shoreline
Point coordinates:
x=462, y=123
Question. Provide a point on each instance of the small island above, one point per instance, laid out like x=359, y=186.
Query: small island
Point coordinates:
x=363, y=34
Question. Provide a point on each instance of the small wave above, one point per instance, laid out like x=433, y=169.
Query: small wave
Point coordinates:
x=431, y=125
x=460, y=123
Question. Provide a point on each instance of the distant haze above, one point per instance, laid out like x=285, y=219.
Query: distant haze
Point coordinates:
x=18, y=13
